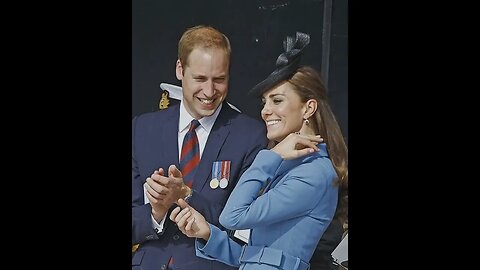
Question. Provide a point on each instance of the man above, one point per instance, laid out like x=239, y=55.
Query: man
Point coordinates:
x=218, y=148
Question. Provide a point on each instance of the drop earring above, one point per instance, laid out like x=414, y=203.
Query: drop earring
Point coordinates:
x=306, y=122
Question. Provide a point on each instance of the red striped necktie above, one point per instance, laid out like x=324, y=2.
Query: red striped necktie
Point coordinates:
x=170, y=264
x=189, y=159
x=190, y=155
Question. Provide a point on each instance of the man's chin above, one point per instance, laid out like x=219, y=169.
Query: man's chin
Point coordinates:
x=206, y=113
x=207, y=110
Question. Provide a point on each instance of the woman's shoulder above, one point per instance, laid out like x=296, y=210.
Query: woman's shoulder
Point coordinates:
x=315, y=166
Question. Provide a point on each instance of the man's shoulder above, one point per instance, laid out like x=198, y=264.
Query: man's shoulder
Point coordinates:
x=246, y=119
x=238, y=118
x=158, y=114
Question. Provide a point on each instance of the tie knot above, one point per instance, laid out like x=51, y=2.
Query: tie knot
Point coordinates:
x=194, y=124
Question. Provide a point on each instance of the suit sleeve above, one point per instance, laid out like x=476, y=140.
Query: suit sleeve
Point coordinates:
x=142, y=228
x=296, y=196
x=219, y=247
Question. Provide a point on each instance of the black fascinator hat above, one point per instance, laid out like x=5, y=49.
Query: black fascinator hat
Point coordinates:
x=287, y=63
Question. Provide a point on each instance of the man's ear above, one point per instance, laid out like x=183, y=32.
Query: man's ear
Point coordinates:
x=179, y=70
x=310, y=108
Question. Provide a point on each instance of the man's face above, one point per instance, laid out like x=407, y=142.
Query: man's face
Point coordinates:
x=204, y=80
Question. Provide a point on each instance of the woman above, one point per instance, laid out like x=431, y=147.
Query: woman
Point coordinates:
x=291, y=193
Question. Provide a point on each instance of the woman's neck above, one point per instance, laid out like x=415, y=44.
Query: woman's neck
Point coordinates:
x=307, y=130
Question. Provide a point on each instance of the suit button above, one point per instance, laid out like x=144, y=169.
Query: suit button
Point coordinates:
x=176, y=237
x=163, y=267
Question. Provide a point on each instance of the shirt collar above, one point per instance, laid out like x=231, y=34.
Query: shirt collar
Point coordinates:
x=205, y=122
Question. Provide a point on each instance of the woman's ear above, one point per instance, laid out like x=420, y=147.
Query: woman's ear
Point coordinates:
x=179, y=70
x=310, y=108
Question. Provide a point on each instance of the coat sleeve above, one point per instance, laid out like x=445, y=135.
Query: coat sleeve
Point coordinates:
x=219, y=247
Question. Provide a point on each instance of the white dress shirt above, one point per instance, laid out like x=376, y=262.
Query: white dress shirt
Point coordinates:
x=203, y=130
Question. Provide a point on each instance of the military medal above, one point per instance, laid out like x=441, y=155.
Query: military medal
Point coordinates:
x=220, y=170
x=214, y=183
x=223, y=183
x=225, y=173
x=215, y=175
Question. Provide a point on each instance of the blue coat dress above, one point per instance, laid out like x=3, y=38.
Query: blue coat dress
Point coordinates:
x=287, y=220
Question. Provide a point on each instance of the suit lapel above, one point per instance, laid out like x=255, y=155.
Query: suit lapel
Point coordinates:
x=217, y=137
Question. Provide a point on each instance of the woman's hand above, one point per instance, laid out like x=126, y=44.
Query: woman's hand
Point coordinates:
x=296, y=145
x=189, y=221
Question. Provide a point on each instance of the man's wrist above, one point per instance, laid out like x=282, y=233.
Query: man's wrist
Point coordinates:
x=159, y=214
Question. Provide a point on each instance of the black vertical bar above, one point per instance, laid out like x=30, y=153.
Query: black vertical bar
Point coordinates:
x=326, y=37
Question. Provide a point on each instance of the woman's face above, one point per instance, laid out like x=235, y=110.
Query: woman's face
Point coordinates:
x=282, y=111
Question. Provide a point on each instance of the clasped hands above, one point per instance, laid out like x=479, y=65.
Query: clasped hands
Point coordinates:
x=163, y=191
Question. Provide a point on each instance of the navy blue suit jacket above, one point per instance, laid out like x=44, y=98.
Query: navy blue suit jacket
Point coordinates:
x=235, y=137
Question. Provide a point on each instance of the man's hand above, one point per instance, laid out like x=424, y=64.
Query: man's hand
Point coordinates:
x=164, y=191
x=178, y=188
x=157, y=193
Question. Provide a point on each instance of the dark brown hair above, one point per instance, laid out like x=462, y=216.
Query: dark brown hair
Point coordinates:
x=308, y=84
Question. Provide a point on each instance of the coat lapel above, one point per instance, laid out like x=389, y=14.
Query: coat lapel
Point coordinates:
x=217, y=137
